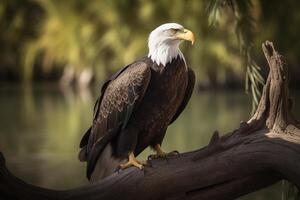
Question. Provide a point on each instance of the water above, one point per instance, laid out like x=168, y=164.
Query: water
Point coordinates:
x=40, y=129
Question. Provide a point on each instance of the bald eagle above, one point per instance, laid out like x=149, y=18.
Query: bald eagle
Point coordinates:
x=138, y=103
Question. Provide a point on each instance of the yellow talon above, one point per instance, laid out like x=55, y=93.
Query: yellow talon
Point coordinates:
x=160, y=153
x=132, y=161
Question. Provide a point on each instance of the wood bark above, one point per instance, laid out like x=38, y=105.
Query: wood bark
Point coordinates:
x=260, y=152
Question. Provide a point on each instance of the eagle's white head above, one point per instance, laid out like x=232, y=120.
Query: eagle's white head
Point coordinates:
x=163, y=42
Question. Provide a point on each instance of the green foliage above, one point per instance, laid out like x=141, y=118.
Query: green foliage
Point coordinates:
x=106, y=35
x=41, y=37
x=98, y=35
x=244, y=29
x=16, y=28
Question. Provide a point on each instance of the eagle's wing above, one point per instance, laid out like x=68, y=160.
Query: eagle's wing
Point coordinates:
x=120, y=96
x=86, y=136
x=188, y=94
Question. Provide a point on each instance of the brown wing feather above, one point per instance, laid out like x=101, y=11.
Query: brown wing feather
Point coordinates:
x=121, y=96
x=188, y=94
x=84, y=140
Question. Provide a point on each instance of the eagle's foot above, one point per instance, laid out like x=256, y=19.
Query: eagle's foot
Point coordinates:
x=132, y=161
x=161, y=154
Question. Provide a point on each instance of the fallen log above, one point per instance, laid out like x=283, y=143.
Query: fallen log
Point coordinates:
x=260, y=152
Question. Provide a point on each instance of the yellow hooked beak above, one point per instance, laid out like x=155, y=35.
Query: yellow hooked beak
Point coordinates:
x=186, y=35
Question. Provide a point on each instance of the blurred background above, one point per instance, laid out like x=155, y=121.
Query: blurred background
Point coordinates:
x=54, y=56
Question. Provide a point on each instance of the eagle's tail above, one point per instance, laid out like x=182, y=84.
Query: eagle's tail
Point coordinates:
x=106, y=164
x=101, y=165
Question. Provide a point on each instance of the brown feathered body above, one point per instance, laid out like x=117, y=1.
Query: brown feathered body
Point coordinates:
x=135, y=108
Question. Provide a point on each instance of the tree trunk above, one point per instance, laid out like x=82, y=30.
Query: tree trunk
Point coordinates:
x=260, y=152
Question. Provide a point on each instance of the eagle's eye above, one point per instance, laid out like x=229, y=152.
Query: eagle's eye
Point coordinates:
x=174, y=30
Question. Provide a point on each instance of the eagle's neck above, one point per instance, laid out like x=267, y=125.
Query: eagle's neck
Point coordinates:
x=162, y=53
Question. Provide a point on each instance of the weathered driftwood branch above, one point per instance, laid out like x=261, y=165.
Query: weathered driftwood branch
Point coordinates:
x=260, y=152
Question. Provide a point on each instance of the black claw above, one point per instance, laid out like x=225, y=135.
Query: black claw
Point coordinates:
x=149, y=157
x=175, y=152
x=118, y=169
